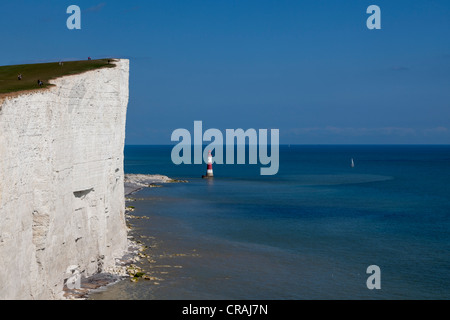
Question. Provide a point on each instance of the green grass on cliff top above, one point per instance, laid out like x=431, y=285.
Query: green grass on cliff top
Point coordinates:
x=31, y=73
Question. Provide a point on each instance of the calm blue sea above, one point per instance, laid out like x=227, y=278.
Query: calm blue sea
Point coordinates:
x=309, y=232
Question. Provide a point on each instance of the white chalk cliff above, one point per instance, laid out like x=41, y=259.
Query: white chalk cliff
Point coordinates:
x=62, y=181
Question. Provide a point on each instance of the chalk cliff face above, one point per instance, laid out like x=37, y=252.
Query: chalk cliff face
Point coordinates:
x=62, y=181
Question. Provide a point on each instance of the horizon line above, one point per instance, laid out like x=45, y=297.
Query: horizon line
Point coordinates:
x=308, y=144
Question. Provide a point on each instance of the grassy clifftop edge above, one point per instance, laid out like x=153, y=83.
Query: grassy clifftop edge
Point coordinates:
x=32, y=73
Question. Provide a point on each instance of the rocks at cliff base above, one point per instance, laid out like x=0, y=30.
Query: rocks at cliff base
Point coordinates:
x=93, y=282
x=135, y=182
x=130, y=266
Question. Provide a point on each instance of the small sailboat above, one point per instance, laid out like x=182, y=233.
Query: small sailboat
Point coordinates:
x=352, y=163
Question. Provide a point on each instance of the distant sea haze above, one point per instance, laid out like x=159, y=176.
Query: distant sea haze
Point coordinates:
x=309, y=232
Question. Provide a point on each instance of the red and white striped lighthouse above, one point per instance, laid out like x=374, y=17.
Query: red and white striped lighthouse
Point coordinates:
x=209, y=170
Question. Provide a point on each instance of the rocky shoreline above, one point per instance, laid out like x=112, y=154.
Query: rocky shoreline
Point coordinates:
x=125, y=267
x=135, y=182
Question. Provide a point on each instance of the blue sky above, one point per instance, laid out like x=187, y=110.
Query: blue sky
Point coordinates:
x=309, y=68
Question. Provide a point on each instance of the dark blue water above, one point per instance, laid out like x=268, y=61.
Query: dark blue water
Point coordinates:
x=309, y=232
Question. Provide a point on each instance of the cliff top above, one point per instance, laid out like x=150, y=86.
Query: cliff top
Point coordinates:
x=30, y=74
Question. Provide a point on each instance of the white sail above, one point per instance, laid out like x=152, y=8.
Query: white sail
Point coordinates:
x=352, y=163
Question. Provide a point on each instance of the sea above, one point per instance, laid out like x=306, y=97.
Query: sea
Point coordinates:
x=315, y=230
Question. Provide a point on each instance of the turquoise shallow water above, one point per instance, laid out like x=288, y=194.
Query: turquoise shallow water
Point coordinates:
x=309, y=232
